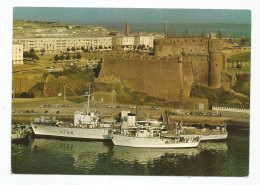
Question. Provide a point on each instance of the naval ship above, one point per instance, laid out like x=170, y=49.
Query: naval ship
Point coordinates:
x=150, y=135
x=85, y=126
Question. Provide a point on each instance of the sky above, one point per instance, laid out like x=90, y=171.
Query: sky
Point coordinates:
x=99, y=15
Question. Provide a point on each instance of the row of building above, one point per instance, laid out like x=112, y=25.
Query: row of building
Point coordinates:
x=99, y=42
x=61, y=44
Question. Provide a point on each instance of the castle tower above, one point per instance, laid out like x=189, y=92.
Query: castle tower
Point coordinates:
x=215, y=62
x=127, y=28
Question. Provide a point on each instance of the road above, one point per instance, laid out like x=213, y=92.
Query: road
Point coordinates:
x=33, y=104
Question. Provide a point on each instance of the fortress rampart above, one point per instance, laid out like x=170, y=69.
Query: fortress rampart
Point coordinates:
x=160, y=77
x=170, y=73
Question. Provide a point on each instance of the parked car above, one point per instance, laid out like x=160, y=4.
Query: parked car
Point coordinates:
x=57, y=105
x=155, y=108
x=109, y=106
x=152, y=108
x=41, y=106
x=117, y=106
x=46, y=112
x=132, y=107
x=142, y=108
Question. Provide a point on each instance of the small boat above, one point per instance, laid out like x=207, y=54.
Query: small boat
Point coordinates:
x=19, y=133
x=217, y=132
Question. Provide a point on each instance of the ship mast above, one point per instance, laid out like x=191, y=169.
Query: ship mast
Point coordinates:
x=88, y=99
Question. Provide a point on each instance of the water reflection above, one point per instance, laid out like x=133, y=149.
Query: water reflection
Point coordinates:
x=146, y=155
x=84, y=153
x=213, y=146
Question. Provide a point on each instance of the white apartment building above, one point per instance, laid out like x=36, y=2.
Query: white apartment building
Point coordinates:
x=124, y=41
x=62, y=43
x=146, y=40
x=104, y=42
x=17, y=54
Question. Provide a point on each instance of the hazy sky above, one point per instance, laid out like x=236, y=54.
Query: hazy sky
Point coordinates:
x=92, y=15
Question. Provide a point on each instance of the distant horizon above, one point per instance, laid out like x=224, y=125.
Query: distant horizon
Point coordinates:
x=123, y=22
x=133, y=15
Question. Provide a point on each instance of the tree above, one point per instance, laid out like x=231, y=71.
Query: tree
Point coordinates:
x=42, y=50
x=31, y=50
x=73, y=48
x=82, y=48
x=78, y=56
x=62, y=57
x=56, y=58
x=100, y=47
x=68, y=49
x=30, y=55
x=243, y=40
x=35, y=57
x=67, y=57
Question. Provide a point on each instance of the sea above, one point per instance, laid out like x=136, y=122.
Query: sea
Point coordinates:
x=62, y=156
x=226, y=29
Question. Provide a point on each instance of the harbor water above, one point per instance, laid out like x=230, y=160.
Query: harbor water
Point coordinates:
x=62, y=156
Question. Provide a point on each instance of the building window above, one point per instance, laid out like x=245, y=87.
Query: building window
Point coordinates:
x=203, y=50
x=172, y=48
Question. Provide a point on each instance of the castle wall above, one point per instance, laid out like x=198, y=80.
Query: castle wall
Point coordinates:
x=200, y=69
x=178, y=46
x=168, y=79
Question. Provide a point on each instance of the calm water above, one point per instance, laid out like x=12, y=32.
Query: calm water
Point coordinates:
x=235, y=30
x=53, y=156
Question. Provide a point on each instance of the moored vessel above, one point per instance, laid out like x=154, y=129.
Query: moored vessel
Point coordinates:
x=150, y=135
x=212, y=133
x=85, y=126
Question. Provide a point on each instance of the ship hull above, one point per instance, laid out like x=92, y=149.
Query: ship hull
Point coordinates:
x=78, y=133
x=210, y=137
x=140, y=142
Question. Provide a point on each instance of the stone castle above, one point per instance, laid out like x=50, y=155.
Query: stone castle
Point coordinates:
x=176, y=64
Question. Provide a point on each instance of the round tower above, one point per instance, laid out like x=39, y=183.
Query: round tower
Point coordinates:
x=215, y=68
x=215, y=62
